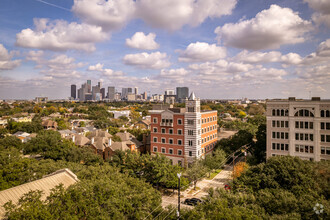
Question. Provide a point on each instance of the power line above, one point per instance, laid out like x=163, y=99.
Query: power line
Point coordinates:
x=56, y=6
x=223, y=163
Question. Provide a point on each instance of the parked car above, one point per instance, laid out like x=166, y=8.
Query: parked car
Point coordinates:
x=192, y=201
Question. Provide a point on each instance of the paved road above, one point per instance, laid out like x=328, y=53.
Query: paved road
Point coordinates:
x=218, y=181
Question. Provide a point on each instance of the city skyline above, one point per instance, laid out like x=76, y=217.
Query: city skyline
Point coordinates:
x=218, y=48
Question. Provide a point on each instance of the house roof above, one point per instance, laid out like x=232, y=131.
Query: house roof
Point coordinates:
x=21, y=134
x=63, y=176
x=79, y=140
x=119, y=146
x=100, y=143
x=99, y=133
x=49, y=123
x=127, y=138
x=145, y=121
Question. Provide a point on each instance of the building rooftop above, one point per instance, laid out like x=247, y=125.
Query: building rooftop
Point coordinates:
x=45, y=184
x=293, y=99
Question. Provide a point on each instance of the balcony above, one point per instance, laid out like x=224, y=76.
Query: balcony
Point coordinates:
x=166, y=124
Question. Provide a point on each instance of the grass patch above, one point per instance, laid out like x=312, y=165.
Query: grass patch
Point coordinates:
x=213, y=174
x=193, y=190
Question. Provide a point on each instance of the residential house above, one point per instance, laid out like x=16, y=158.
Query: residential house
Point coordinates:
x=143, y=124
x=49, y=125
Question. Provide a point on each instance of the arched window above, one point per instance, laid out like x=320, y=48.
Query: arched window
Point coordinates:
x=282, y=112
x=274, y=111
x=286, y=112
x=278, y=112
x=322, y=113
x=327, y=114
x=304, y=113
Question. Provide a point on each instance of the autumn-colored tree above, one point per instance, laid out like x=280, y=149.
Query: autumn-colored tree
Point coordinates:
x=239, y=168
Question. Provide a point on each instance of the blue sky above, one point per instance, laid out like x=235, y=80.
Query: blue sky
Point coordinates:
x=218, y=48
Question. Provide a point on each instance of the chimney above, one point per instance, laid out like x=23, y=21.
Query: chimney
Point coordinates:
x=92, y=141
x=73, y=138
x=110, y=142
x=292, y=98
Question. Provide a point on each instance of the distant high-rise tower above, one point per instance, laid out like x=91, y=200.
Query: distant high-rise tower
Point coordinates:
x=73, y=91
x=182, y=93
x=95, y=90
x=111, y=93
x=102, y=90
x=99, y=84
x=136, y=90
x=89, y=85
x=125, y=92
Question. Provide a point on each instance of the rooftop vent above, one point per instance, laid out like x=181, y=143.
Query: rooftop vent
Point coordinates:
x=292, y=98
x=316, y=99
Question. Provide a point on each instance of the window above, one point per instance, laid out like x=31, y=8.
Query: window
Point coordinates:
x=170, y=151
x=163, y=140
x=163, y=150
x=190, y=132
x=325, y=138
x=155, y=120
x=163, y=130
x=179, y=131
x=155, y=140
x=190, y=122
x=179, y=121
x=179, y=142
x=180, y=152
x=190, y=153
x=191, y=109
x=286, y=124
x=155, y=130
x=304, y=113
x=170, y=131
x=322, y=150
x=190, y=143
x=170, y=141
x=155, y=149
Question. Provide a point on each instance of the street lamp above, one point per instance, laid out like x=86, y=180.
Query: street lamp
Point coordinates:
x=179, y=186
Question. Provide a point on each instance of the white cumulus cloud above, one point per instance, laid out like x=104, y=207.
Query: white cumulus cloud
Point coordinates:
x=173, y=14
x=156, y=60
x=60, y=35
x=201, y=52
x=143, y=42
x=270, y=29
x=110, y=15
x=6, y=62
x=322, y=11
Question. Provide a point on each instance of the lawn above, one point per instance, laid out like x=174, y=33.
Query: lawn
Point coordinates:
x=193, y=191
x=213, y=174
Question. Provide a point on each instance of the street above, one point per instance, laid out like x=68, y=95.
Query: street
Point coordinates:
x=218, y=181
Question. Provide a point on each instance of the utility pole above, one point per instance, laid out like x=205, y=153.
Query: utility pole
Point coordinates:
x=179, y=186
x=233, y=165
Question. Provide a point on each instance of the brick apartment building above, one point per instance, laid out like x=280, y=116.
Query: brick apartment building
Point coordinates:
x=299, y=128
x=183, y=134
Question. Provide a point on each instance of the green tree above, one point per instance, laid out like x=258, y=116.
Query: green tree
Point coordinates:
x=215, y=160
x=258, y=150
x=196, y=172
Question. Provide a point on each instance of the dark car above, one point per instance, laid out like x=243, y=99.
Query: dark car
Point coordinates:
x=192, y=201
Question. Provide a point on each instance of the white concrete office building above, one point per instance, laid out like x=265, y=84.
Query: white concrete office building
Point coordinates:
x=299, y=128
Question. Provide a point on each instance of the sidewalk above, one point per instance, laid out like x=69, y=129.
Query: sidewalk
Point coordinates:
x=219, y=180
